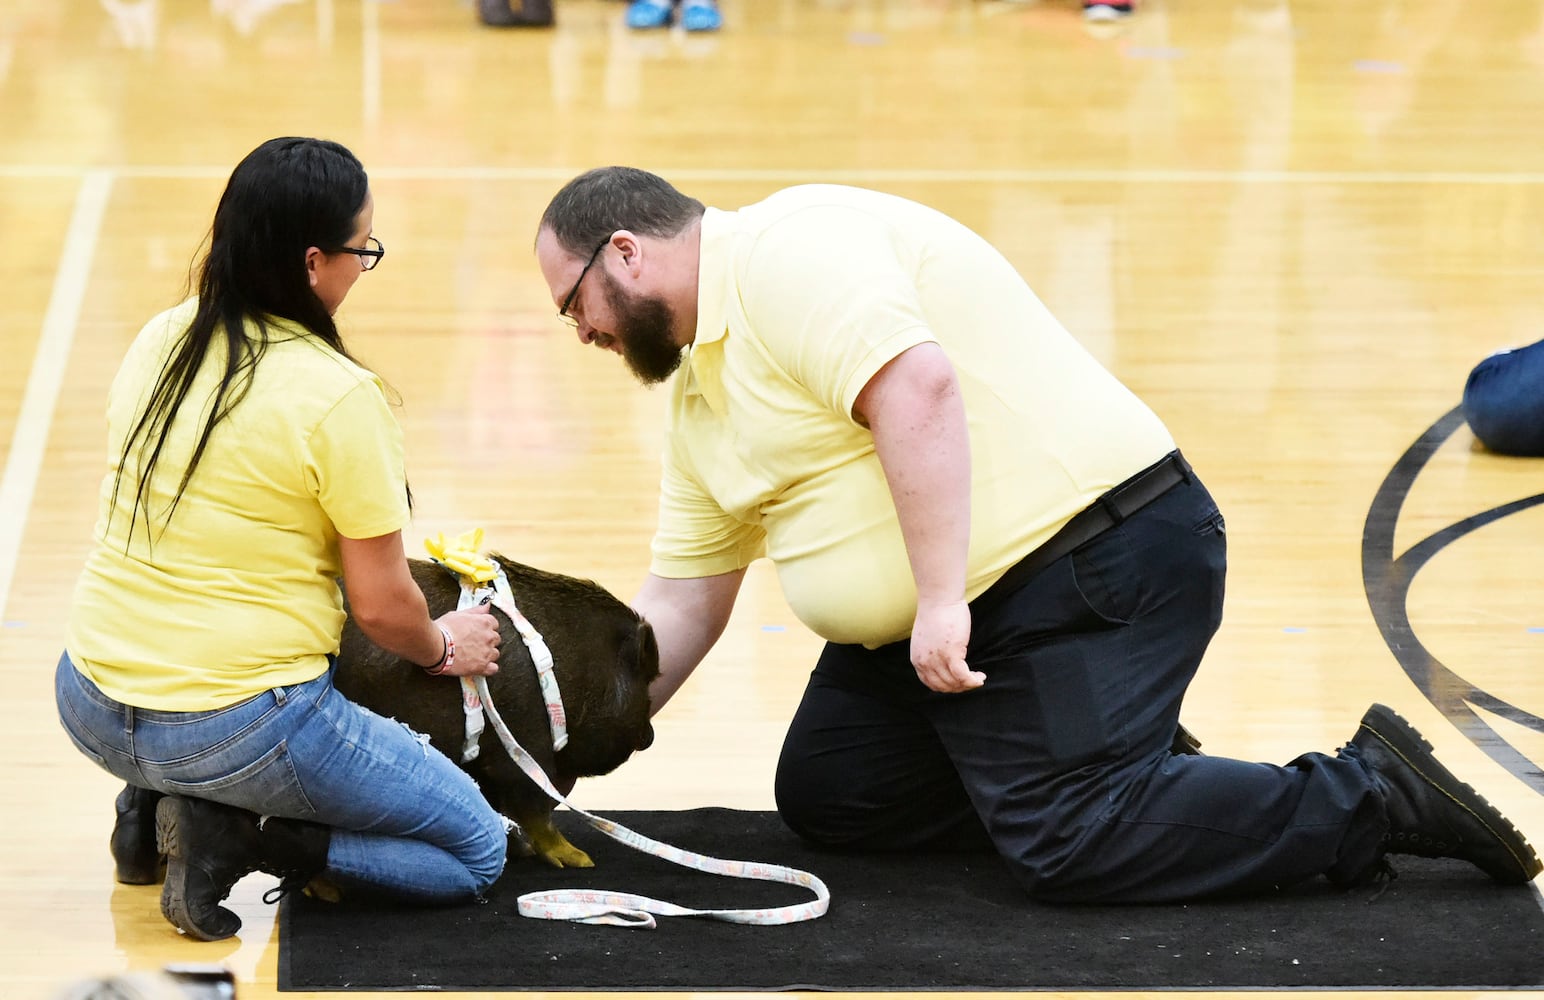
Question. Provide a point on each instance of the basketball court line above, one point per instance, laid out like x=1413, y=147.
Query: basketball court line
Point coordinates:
x=836, y=176
x=370, y=62
x=29, y=440
x=1387, y=576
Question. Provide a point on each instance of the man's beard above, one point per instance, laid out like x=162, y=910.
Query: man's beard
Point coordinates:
x=643, y=327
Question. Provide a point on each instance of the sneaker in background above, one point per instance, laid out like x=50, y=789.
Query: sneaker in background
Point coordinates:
x=1107, y=10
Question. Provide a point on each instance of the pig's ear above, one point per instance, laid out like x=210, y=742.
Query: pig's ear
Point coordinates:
x=645, y=650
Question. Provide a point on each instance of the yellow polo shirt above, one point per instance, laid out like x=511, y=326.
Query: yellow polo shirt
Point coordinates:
x=802, y=298
x=238, y=593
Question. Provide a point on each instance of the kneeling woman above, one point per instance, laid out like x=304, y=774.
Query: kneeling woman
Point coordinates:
x=253, y=462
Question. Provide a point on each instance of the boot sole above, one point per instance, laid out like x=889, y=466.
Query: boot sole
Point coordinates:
x=1411, y=747
x=174, y=898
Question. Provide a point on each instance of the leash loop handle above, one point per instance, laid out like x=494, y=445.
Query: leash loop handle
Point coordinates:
x=593, y=906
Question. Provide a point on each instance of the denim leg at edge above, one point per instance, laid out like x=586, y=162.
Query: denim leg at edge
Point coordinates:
x=1504, y=401
x=405, y=819
x=1064, y=751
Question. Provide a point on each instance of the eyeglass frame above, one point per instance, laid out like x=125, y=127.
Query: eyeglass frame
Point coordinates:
x=573, y=292
x=368, y=258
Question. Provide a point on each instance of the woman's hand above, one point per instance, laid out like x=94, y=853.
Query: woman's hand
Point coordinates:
x=476, y=634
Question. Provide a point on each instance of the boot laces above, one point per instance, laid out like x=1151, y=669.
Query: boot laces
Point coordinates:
x=289, y=881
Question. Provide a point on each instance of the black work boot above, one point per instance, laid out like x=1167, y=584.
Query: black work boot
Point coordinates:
x=135, y=857
x=208, y=848
x=1430, y=812
x=295, y=850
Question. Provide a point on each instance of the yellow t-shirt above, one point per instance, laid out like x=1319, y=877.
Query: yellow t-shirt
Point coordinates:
x=238, y=592
x=802, y=298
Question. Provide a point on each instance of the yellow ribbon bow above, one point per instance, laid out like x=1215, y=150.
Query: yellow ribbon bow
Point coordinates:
x=459, y=555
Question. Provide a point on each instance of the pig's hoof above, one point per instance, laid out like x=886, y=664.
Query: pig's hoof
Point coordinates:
x=324, y=889
x=567, y=856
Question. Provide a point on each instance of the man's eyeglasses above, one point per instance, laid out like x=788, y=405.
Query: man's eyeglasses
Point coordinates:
x=368, y=256
x=568, y=300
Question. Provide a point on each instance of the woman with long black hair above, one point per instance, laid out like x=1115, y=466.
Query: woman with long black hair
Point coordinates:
x=252, y=463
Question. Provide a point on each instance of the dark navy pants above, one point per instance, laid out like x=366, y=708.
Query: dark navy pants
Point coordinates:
x=1504, y=401
x=1061, y=760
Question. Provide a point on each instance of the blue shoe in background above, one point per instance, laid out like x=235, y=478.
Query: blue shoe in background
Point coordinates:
x=645, y=14
x=701, y=15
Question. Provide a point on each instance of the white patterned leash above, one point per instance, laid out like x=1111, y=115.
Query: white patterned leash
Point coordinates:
x=623, y=909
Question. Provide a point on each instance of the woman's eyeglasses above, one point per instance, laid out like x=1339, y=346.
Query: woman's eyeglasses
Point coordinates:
x=368, y=256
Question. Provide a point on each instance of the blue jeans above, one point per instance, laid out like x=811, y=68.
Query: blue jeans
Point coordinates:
x=404, y=819
x=1061, y=761
x=1504, y=401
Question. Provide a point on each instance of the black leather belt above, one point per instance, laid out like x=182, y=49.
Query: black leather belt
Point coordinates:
x=1119, y=503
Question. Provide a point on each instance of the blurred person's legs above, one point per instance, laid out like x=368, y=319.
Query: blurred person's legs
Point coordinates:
x=701, y=15
x=175, y=982
x=693, y=15
x=1504, y=401
x=1108, y=10
x=643, y=15
x=515, y=13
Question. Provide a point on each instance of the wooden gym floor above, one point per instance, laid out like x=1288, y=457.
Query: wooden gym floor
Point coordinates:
x=1291, y=225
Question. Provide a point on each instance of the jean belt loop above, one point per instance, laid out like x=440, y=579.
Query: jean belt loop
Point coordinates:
x=280, y=696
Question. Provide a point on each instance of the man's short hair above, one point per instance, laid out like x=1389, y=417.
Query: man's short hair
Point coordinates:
x=598, y=202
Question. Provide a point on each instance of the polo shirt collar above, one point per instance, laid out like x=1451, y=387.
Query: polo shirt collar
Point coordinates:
x=713, y=265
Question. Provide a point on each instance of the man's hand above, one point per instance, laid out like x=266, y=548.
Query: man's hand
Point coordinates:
x=938, y=640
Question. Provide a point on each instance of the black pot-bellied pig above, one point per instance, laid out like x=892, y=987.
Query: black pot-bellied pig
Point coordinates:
x=604, y=657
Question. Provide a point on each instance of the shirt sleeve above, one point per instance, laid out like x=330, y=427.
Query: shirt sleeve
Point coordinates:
x=354, y=465
x=832, y=301
x=696, y=537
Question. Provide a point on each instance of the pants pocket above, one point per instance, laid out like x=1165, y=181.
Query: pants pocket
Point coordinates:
x=1107, y=580
x=267, y=785
x=1211, y=524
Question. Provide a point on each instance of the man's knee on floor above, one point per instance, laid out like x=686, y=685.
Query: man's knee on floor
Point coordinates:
x=825, y=811
x=1061, y=873
x=813, y=817
x=801, y=795
x=1037, y=882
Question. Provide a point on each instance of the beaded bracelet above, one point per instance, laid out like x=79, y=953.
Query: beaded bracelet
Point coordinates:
x=448, y=657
